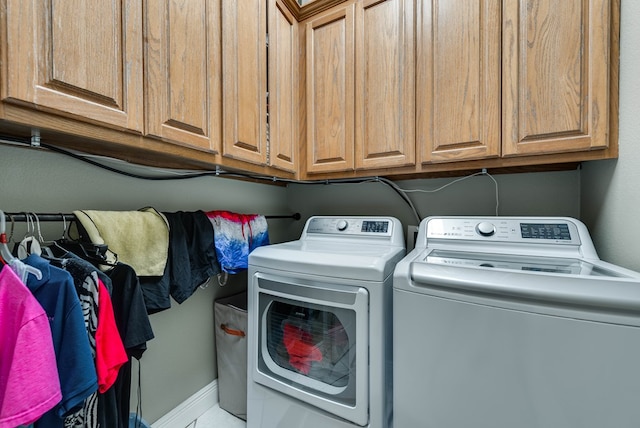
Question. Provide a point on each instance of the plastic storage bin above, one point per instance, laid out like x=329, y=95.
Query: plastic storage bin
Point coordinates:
x=230, y=317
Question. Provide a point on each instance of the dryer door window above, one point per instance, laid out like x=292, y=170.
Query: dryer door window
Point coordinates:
x=313, y=341
x=313, y=344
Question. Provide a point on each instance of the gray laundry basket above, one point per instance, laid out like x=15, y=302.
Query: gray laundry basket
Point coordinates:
x=230, y=316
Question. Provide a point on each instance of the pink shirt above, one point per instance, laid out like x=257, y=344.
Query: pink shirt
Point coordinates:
x=29, y=384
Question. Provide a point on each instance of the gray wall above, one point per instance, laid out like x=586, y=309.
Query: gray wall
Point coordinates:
x=550, y=193
x=181, y=358
x=611, y=190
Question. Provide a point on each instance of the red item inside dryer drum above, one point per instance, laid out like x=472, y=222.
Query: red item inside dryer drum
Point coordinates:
x=301, y=351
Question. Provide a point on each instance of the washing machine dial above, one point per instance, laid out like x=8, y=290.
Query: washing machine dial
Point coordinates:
x=485, y=228
x=342, y=225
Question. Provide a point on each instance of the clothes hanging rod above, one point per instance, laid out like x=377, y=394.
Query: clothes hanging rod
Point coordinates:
x=51, y=217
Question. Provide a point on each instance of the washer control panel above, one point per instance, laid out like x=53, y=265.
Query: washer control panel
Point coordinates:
x=547, y=230
x=485, y=228
x=350, y=226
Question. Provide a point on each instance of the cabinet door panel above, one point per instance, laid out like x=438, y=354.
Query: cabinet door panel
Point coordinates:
x=385, y=84
x=244, y=80
x=330, y=91
x=283, y=87
x=555, y=89
x=80, y=58
x=458, y=87
x=182, y=68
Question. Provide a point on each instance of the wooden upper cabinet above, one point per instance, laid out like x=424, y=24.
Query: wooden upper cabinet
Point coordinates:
x=384, y=84
x=78, y=58
x=458, y=80
x=555, y=76
x=361, y=87
x=365, y=86
x=244, y=80
x=330, y=91
x=283, y=87
x=182, y=70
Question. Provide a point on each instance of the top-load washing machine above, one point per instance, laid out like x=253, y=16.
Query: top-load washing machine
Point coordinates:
x=320, y=325
x=504, y=322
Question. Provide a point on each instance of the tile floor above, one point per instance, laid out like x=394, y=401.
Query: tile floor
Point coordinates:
x=217, y=418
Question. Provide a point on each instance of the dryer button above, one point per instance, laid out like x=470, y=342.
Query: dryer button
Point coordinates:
x=485, y=228
x=342, y=225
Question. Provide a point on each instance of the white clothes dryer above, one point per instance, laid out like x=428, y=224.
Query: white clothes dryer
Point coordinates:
x=514, y=322
x=319, y=333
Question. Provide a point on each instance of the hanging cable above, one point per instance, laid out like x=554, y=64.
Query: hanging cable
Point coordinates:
x=483, y=172
x=403, y=193
x=219, y=172
x=130, y=174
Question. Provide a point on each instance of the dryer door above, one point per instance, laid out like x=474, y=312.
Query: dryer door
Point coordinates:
x=312, y=343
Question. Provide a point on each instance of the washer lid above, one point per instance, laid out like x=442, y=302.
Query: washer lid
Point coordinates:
x=539, y=283
x=555, y=265
x=347, y=260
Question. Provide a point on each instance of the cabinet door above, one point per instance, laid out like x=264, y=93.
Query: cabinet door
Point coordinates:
x=79, y=58
x=385, y=84
x=555, y=76
x=283, y=87
x=330, y=91
x=182, y=60
x=458, y=80
x=244, y=80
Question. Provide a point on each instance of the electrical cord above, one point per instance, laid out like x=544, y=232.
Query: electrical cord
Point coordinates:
x=232, y=174
x=403, y=193
x=483, y=172
x=130, y=174
x=138, y=416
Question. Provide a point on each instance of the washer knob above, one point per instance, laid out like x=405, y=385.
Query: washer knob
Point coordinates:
x=485, y=228
x=342, y=224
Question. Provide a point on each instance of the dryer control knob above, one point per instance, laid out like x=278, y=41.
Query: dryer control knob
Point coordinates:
x=342, y=224
x=485, y=228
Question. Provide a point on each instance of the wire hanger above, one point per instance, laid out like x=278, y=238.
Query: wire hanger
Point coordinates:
x=30, y=244
x=18, y=266
x=52, y=248
x=93, y=253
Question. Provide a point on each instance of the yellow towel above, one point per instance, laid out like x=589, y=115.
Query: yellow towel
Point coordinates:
x=139, y=238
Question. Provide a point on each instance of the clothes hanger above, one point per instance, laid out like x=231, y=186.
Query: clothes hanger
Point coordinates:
x=94, y=253
x=51, y=248
x=20, y=268
x=30, y=244
x=4, y=249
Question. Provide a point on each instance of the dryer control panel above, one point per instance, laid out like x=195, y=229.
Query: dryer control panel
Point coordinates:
x=350, y=226
x=372, y=230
